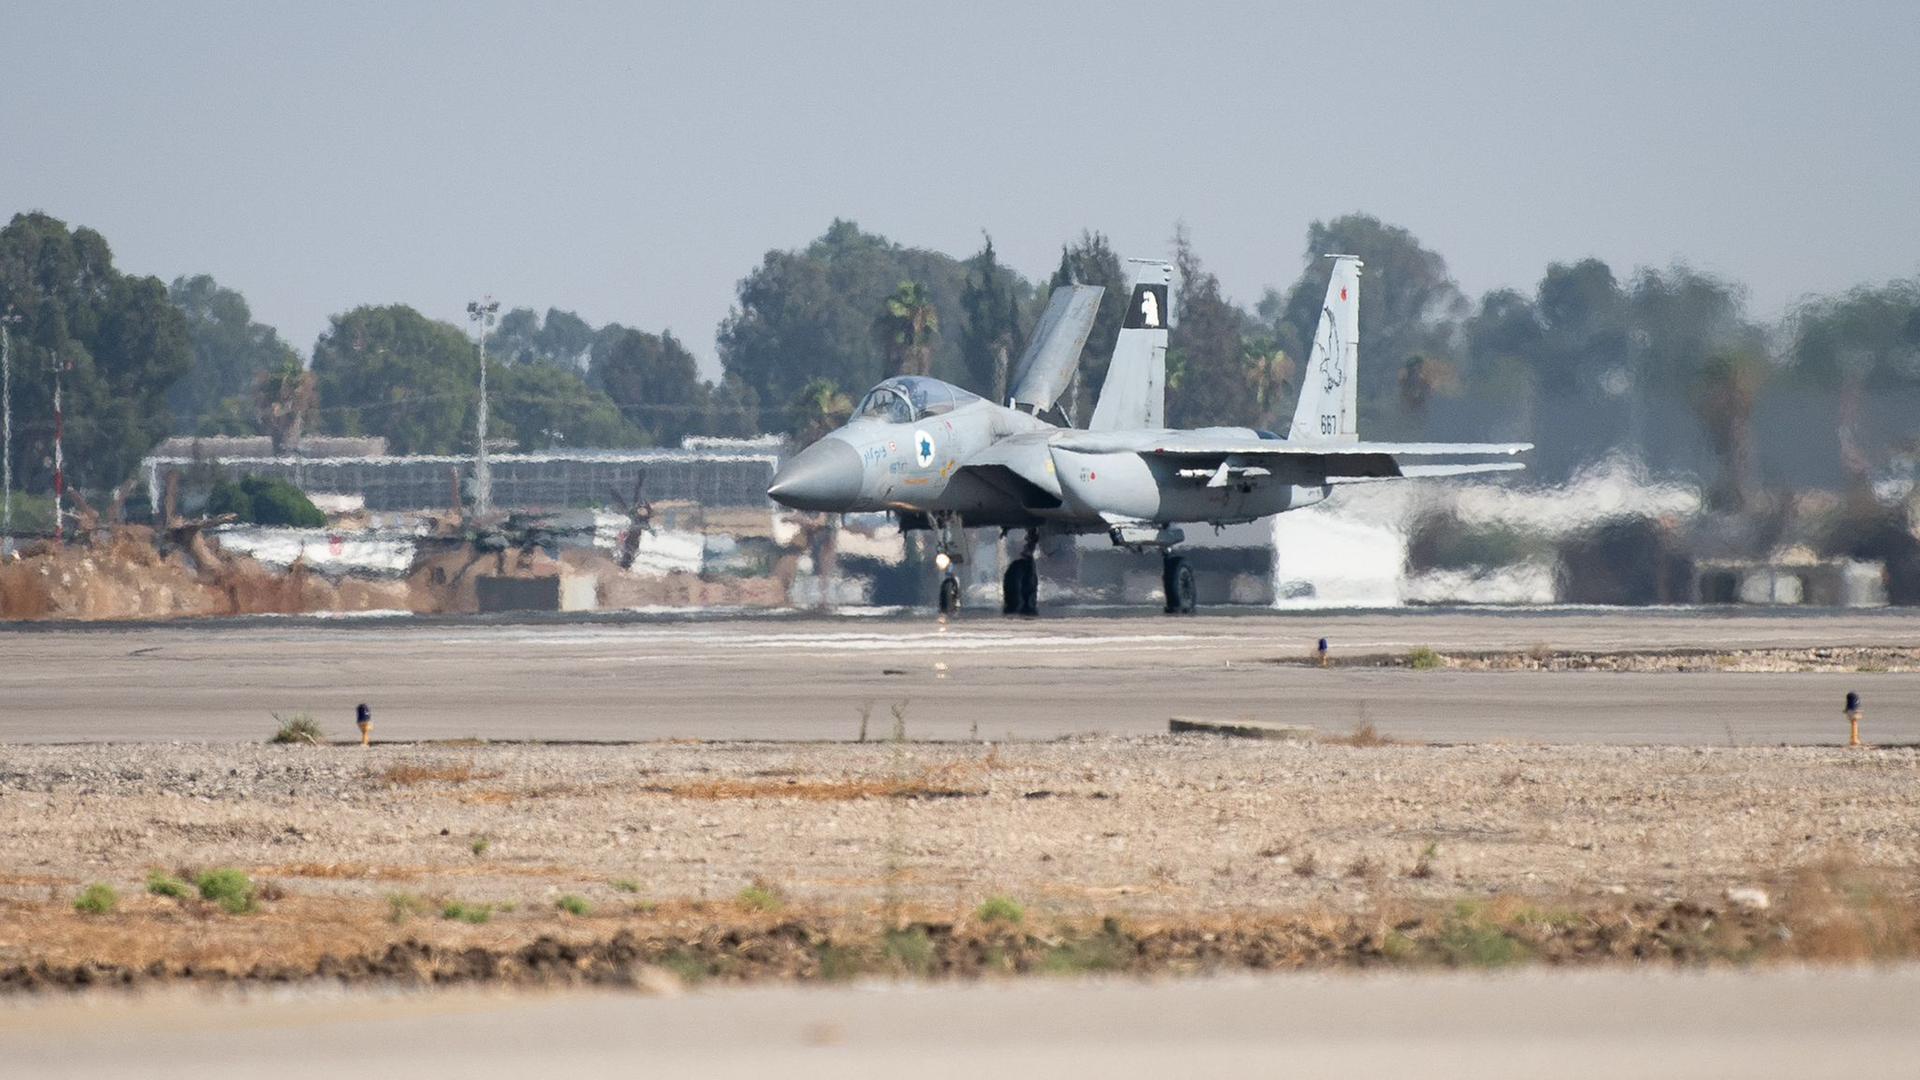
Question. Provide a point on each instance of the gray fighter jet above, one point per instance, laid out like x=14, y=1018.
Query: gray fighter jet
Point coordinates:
x=945, y=459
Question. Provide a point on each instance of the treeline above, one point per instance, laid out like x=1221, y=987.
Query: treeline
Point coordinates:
x=1667, y=361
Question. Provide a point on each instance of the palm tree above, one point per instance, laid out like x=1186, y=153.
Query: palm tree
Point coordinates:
x=820, y=408
x=1421, y=377
x=1847, y=342
x=1274, y=387
x=907, y=325
x=1724, y=395
x=282, y=398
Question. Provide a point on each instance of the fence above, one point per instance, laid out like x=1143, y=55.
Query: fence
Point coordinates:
x=544, y=481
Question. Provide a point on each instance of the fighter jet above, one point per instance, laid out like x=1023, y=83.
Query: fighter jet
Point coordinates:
x=944, y=459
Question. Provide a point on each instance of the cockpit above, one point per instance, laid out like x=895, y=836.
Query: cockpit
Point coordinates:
x=907, y=398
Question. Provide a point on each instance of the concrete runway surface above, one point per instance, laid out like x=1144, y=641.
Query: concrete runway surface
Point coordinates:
x=803, y=677
x=1777, y=1023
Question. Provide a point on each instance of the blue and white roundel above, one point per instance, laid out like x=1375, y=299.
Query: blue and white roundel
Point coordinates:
x=923, y=448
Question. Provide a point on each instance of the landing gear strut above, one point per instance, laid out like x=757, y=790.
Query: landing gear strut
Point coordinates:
x=1020, y=588
x=950, y=538
x=1177, y=577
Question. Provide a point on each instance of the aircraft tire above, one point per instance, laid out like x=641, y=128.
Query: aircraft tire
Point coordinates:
x=1020, y=589
x=949, y=595
x=1177, y=578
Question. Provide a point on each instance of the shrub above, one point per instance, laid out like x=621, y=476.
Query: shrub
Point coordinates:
x=230, y=889
x=260, y=500
x=480, y=846
x=403, y=906
x=573, y=905
x=1423, y=867
x=467, y=913
x=760, y=896
x=910, y=950
x=300, y=728
x=1423, y=659
x=97, y=899
x=1000, y=909
x=161, y=883
x=626, y=885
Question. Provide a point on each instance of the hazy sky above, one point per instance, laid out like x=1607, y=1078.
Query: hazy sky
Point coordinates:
x=633, y=162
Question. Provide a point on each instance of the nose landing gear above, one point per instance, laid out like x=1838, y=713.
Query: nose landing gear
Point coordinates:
x=950, y=537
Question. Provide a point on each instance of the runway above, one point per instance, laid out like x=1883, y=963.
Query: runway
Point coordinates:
x=1767, y=1023
x=978, y=677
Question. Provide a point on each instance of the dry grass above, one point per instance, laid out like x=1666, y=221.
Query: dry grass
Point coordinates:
x=409, y=773
x=1843, y=912
x=1364, y=736
x=1834, y=912
x=928, y=784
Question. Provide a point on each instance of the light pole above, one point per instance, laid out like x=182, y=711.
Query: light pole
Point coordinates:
x=482, y=312
x=7, y=322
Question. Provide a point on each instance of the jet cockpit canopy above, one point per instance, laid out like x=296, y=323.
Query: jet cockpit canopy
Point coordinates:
x=904, y=399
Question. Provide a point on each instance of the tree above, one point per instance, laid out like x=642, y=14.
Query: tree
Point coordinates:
x=230, y=352
x=809, y=314
x=819, y=408
x=545, y=407
x=282, y=399
x=394, y=372
x=1865, y=338
x=1421, y=378
x=562, y=339
x=1409, y=306
x=1724, y=394
x=991, y=301
x=907, y=325
x=1215, y=380
x=1091, y=260
x=654, y=382
x=119, y=341
x=733, y=409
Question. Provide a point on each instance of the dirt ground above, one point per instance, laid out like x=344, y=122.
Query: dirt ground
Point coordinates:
x=534, y=862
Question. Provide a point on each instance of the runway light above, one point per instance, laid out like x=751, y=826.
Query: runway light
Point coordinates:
x=942, y=561
x=1853, y=718
x=363, y=716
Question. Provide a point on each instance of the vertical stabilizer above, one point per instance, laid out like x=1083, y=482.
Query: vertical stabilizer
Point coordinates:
x=1052, y=355
x=1135, y=392
x=1328, y=410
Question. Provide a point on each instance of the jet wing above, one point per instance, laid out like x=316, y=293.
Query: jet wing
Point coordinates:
x=1020, y=466
x=1221, y=442
x=1220, y=452
x=1052, y=354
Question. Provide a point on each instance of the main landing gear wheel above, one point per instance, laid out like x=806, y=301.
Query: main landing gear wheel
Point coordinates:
x=1020, y=588
x=949, y=595
x=1177, y=577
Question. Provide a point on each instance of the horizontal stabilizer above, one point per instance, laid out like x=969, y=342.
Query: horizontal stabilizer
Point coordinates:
x=1416, y=472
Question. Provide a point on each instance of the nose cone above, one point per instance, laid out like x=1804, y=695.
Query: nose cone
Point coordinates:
x=823, y=477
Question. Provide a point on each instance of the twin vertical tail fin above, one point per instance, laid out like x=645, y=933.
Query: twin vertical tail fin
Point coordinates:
x=1134, y=394
x=1328, y=411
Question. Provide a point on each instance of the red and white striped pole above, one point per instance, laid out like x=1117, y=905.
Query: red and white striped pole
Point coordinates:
x=59, y=462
